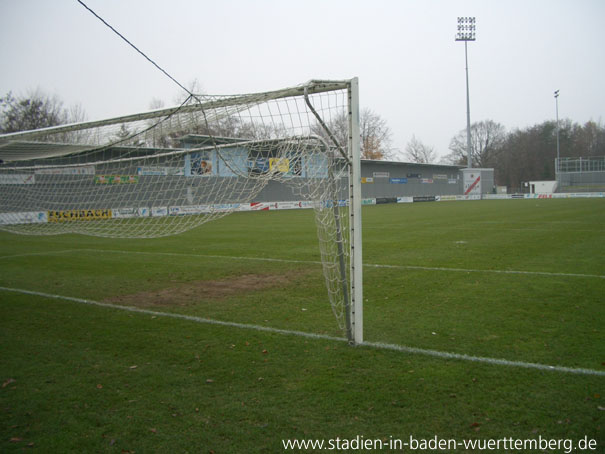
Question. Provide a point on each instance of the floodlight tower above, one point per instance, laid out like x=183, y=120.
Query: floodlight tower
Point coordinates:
x=466, y=33
x=557, y=111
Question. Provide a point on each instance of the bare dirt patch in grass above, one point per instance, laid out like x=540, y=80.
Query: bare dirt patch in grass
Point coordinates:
x=190, y=292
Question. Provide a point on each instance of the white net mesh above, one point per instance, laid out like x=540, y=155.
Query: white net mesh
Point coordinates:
x=165, y=172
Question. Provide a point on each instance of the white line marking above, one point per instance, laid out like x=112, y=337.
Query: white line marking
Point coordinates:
x=173, y=315
x=378, y=345
x=483, y=359
x=33, y=254
x=312, y=262
x=499, y=227
x=369, y=265
x=467, y=270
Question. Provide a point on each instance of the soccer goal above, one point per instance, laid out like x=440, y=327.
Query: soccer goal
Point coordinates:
x=167, y=171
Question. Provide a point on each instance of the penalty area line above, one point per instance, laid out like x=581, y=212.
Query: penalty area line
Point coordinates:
x=33, y=254
x=267, y=329
x=317, y=262
x=192, y=318
x=468, y=270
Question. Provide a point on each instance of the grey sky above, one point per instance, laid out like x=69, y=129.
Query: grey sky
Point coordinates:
x=411, y=70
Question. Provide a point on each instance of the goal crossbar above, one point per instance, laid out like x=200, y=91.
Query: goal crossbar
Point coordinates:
x=311, y=87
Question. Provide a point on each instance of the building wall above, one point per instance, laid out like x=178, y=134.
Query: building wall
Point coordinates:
x=399, y=179
x=380, y=179
x=180, y=180
x=542, y=187
x=581, y=174
x=477, y=181
x=581, y=181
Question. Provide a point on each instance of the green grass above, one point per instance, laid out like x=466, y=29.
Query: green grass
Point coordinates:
x=81, y=378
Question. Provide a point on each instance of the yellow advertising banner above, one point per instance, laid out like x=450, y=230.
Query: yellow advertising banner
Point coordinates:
x=116, y=179
x=78, y=215
x=280, y=164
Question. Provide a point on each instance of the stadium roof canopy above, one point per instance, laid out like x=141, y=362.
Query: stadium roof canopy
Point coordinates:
x=11, y=151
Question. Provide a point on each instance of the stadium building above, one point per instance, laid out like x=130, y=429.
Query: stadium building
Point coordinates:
x=385, y=181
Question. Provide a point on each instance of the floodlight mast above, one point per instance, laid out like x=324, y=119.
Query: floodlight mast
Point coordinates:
x=466, y=32
x=557, y=113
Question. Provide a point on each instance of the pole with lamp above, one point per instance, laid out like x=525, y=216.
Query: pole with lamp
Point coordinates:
x=557, y=112
x=466, y=32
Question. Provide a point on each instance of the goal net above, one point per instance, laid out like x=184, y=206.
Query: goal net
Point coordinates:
x=167, y=171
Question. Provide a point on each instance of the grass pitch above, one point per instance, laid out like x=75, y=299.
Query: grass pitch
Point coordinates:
x=521, y=280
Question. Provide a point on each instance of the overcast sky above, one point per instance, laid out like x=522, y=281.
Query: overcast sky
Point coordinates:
x=410, y=69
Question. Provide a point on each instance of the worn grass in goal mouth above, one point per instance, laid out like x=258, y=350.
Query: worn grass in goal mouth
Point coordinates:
x=187, y=293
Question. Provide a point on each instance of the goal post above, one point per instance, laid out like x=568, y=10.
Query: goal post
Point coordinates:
x=167, y=171
x=354, y=146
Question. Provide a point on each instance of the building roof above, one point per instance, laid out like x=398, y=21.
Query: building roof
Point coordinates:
x=22, y=150
x=374, y=161
x=19, y=151
x=203, y=140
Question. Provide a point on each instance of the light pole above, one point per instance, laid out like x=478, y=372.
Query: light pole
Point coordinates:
x=557, y=110
x=466, y=33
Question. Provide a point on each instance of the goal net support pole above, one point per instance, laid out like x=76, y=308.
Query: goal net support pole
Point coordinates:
x=356, y=263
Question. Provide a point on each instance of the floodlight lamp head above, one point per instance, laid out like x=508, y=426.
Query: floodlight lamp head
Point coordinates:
x=466, y=29
x=556, y=93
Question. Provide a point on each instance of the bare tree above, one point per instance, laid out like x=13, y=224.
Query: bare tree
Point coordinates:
x=487, y=137
x=374, y=131
x=156, y=104
x=76, y=114
x=375, y=136
x=589, y=139
x=418, y=152
x=194, y=86
x=35, y=110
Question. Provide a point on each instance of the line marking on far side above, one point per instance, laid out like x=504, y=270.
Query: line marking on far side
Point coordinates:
x=314, y=262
